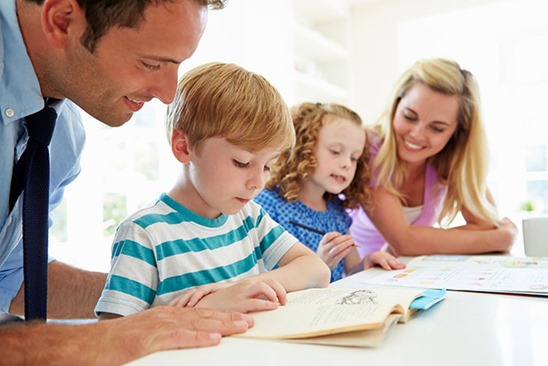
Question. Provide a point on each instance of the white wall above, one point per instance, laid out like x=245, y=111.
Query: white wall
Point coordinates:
x=255, y=34
x=376, y=36
x=503, y=43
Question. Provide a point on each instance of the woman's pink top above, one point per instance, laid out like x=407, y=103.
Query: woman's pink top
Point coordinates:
x=366, y=235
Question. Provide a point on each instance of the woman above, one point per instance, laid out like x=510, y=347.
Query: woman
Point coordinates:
x=429, y=161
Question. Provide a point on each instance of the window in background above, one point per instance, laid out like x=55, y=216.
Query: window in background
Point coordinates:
x=123, y=170
x=503, y=44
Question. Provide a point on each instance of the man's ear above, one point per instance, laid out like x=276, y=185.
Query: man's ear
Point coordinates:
x=61, y=21
x=180, y=146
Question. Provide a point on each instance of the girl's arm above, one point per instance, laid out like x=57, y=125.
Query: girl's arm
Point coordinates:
x=386, y=213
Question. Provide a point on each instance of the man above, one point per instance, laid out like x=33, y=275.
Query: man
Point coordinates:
x=109, y=58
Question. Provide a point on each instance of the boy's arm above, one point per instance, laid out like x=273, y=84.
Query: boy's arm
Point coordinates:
x=300, y=268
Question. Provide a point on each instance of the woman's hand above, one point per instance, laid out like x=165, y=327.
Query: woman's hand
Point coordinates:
x=509, y=230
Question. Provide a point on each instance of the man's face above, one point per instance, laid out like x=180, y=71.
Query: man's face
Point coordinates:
x=130, y=66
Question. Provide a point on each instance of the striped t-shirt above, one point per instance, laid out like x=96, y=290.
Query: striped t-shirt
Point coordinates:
x=165, y=249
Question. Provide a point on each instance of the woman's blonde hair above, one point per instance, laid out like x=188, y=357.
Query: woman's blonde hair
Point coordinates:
x=463, y=163
x=225, y=100
x=295, y=165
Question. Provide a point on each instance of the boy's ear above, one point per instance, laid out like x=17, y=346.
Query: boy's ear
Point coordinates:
x=180, y=146
x=62, y=20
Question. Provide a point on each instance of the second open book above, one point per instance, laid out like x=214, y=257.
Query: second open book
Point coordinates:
x=341, y=316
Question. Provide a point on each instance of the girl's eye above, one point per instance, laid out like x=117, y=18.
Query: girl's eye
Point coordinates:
x=334, y=152
x=437, y=129
x=240, y=164
x=267, y=168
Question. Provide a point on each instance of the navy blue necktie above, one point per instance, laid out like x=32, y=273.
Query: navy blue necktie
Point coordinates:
x=31, y=176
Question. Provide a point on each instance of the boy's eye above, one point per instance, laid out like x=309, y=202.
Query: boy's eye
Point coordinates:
x=334, y=152
x=267, y=168
x=240, y=164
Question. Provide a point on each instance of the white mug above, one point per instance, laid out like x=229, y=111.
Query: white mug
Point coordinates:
x=535, y=236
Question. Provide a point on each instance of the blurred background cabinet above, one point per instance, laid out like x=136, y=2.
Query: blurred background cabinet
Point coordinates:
x=322, y=39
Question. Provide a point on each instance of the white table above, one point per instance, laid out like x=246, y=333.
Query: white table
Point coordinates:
x=465, y=329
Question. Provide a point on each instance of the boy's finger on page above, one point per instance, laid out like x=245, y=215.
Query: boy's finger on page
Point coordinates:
x=252, y=305
x=279, y=290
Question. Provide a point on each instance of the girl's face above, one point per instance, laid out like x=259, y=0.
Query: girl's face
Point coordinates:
x=423, y=123
x=340, y=144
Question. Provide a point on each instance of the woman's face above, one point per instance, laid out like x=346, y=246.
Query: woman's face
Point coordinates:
x=423, y=123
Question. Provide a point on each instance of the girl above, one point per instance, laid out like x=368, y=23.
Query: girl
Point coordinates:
x=429, y=160
x=303, y=191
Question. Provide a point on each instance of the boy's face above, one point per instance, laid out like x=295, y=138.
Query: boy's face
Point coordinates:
x=340, y=144
x=223, y=178
x=131, y=66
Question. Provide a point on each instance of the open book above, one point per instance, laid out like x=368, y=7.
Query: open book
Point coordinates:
x=341, y=316
x=481, y=273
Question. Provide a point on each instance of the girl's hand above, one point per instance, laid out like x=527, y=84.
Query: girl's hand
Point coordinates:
x=384, y=259
x=333, y=247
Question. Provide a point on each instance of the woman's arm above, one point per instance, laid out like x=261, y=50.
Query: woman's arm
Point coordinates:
x=386, y=213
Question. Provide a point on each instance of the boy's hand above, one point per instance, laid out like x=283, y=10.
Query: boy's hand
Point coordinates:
x=193, y=296
x=246, y=296
x=333, y=247
x=385, y=260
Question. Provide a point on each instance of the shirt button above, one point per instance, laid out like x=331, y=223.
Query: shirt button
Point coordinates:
x=9, y=112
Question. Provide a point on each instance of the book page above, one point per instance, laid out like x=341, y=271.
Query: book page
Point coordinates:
x=502, y=274
x=358, y=338
x=315, y=312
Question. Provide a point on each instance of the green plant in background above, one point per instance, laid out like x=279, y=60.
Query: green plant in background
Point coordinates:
x=528, y=206
x=531, y=205
x=114, y=211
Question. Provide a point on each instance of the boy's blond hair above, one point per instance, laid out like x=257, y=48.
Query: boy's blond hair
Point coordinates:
x=225, y=100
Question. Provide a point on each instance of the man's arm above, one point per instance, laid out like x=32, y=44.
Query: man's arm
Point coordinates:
x=72, y=292
x=115, y=342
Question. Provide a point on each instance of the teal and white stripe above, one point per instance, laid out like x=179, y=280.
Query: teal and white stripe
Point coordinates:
x=165, y=249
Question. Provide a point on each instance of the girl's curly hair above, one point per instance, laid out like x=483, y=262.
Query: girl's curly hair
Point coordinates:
x=296, y=164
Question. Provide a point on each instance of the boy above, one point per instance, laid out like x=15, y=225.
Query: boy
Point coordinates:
x=206, y=243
